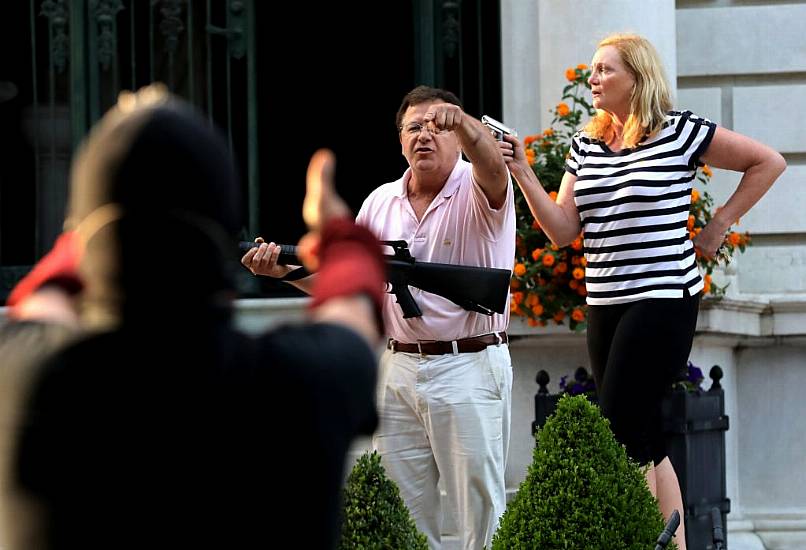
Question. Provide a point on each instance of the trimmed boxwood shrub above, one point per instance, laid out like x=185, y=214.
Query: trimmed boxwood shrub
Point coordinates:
x=375, y=517
x=581, y=490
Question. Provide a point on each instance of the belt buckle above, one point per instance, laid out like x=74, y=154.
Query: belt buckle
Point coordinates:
x=420, y=349
x=393, y=345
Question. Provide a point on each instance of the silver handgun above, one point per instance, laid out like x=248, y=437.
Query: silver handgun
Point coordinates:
x=498, y=129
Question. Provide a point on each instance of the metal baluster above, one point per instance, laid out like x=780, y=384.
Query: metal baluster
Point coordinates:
x=191, y=67
x=35, y=125
x=133, y=45
x=209, y=75
x=252, y=120
x=151, y=41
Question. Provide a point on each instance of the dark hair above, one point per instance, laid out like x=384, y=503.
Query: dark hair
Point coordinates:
x=423, y=94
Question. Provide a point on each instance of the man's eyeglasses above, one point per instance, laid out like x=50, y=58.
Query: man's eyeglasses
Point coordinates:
x=414, y=129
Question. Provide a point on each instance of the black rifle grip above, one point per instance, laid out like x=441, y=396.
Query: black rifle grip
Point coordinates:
x=406, y=301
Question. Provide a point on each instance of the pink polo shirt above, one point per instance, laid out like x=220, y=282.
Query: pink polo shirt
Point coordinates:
x=459, y=227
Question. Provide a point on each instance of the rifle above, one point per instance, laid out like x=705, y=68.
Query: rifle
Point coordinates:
x=480, y=289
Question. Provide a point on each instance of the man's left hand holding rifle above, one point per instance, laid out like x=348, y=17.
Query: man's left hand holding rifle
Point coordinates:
x=445, y=378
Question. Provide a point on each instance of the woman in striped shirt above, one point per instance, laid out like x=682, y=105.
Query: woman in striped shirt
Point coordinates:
x=627, y=186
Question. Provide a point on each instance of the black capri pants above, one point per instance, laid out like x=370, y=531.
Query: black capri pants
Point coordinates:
x=636, y=351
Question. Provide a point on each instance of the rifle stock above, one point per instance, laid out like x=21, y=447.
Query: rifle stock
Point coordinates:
x=480, y=289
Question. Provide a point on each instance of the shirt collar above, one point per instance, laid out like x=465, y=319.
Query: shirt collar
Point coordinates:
x=450, y=187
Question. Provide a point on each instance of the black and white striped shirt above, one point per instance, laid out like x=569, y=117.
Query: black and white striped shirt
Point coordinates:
x=634, y=207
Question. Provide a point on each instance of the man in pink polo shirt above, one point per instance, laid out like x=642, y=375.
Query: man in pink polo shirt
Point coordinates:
x=445, y=378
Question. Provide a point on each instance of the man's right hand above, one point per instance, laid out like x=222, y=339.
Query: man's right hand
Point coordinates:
x=262, y=260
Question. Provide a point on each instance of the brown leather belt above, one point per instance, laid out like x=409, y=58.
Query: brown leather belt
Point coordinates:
x=463, y=345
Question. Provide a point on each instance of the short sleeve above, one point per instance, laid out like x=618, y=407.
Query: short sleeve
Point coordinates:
x=701, y=132
x=491, y=222
x=574, y=157
x=363, y=214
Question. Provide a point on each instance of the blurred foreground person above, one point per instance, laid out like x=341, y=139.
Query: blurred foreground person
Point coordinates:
x=165, y=427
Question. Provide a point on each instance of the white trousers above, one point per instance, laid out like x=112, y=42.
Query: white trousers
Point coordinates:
x=447, y=417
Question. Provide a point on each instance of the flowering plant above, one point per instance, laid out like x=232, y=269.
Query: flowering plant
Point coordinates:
x=693, y=379
x=548, y=283
x=699, y=216
x=582, y=384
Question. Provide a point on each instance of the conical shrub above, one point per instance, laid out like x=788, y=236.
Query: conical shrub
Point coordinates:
x=375, y=517
x=581, y=490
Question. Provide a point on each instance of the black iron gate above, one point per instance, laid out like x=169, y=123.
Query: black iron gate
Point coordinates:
x=275, y=99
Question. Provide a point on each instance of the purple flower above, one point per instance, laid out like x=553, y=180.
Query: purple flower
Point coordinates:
x=695, y=375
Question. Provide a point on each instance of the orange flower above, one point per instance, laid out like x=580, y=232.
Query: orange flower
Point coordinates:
x=707, y=288
x=570, y=74
x=583, y=261
x=734, y=238
x=582, y=291
x=553, y=196
x=706, y=170
x=582, y=67
x=517, y=297
x=563, y=109
x=537, y=309
x=576, y=244
x=575, y=260
x=690, y=224
x=562, y=267
x=578, y=315
x=529, y=139
x=695, y=195
x=559, y=316
x=519, y=270
x=531, y=322
x=548, y=260
x=578, y=273
x=536, y=253
x=535, y=225
x=514, y=284
x=574, y=284
x=532, y=299
x=548, y=132
x=554, y=247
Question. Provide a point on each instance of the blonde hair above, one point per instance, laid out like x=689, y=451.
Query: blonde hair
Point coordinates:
x=651, y=96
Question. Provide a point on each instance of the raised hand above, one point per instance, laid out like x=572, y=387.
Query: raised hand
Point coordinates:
x=321, y=205
x=444, y=117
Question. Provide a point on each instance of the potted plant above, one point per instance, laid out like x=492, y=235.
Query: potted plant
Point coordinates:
x=375, y=517
x=581, y=490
